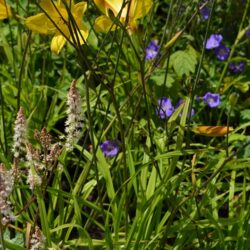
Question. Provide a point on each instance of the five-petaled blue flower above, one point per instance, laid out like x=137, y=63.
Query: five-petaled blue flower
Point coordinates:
x=236, y=67
x=214, y=41
x=152, y=50
x=164, y=108
x=222, y=52
x=212, y=100
x=110, y=147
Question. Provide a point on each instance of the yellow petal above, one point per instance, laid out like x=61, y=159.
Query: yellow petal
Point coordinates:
x=81, y=36
x=5, y=11
x=212, y=131
x=48, y=6
x=40, y=23
x=104, y=24
x=139, y=8
x=79, y=9
x=106, y=5
x=57, y=43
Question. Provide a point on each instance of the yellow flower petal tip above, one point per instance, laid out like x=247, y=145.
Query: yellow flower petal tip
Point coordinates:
x=5, y=10
x=110, y=8
x=57, y=21
x=212, y=131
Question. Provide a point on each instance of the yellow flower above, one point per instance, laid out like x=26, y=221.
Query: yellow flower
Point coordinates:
x=5, y=10
x=137, y=9
x=56, y=20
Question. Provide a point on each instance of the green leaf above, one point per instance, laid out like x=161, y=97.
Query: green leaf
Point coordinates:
x=158, y=78
x=245, y=114
x=184, y=62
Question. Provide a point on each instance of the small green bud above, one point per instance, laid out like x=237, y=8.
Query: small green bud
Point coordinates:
x=233, y=98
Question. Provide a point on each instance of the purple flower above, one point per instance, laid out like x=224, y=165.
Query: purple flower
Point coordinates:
x=214, y=41
x=179, y=103
x=212, y=100
x=248, y=33
x=236, y=67
x=164, y=108
x=110, y=148
x=152, y=50
x=222, y=52
x=205, y=12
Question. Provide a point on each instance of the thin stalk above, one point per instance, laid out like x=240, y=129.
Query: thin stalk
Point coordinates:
x=237, y=40
x=4, y=145
x=19, y=84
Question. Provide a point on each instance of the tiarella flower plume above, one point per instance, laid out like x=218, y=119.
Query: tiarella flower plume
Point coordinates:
x=6, y=186
x=152, y=50
x=33, y=179
x=222, y=52
x=212, y=100
x=110, y=148
x=133, y=10
x=20, y=135
x=236, y=67
x=57, y=21
x=74, y=123
x=214, y=41
x=164, y=108
x=37, y=241
x=5, y=11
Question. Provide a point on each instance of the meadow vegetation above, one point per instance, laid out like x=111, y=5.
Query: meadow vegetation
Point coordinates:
x=124, y=124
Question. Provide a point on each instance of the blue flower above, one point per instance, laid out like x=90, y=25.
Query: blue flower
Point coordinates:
x=205, y=12
x=214, y=41
x=110, y=148
x=222, y=52
x=152, y=50
x=236, y=67
x=212, y=100
x=164, y=108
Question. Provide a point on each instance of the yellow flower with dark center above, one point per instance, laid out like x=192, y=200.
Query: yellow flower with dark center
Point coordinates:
x=5, y=10
x=56, y=20
x=134, y=10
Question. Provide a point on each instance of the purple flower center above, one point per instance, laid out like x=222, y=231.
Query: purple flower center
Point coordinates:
x=222, y=52
x=212, y=100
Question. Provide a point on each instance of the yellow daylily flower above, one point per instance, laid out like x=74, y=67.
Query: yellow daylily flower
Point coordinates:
x=5, y=10
x=134, y=10
x=58, y=22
